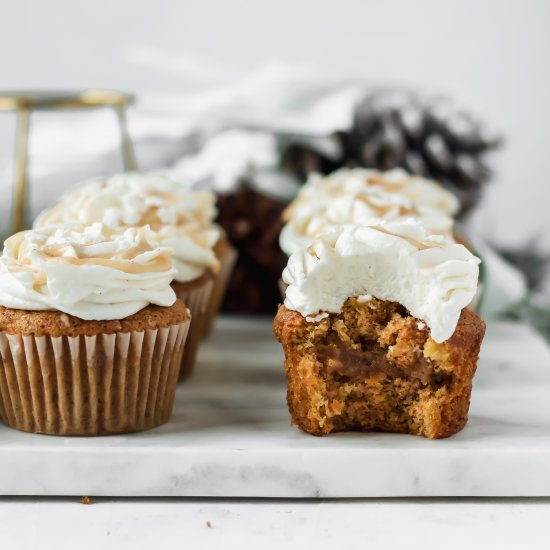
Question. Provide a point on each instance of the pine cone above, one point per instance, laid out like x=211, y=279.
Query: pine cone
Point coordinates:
x=252, y=221
x=428, y=136
x=300, y=160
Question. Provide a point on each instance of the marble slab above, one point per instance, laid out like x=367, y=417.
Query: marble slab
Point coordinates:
x=230, y=437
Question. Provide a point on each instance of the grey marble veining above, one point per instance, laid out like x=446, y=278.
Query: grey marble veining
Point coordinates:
x=230, y=436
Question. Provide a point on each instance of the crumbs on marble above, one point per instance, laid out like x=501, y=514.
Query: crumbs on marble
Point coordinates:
x=86, y=500
x=209, y=524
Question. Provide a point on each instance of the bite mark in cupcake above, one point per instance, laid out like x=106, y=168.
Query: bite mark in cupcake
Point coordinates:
x=402, y=360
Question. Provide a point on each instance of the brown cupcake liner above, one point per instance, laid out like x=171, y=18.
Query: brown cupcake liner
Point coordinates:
x=197, y=299
x=227, y=256
x=90, y=385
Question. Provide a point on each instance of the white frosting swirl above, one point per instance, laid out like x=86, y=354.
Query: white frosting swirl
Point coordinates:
x=91, y=272
x=368, y=206
x=422, y=193
x=397, y=261
x=178, y=216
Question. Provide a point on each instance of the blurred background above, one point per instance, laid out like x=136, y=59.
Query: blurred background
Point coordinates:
x=490, y=56
x=199, y=68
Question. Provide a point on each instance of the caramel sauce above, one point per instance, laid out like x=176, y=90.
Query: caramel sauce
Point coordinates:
x=382, y=210
x=126, y=266
x=150, y=217
x=123, y=261
x=369, y=361
x=410, y=240
x=393, y=187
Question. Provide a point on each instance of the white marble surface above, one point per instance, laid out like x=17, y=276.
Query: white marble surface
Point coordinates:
x=411, y=524
x=230, y=437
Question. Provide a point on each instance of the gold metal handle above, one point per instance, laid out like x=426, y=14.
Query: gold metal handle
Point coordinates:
x=24, y=102
x=128, y=154
x=20, y=189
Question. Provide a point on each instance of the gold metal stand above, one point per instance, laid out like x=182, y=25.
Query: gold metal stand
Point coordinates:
x=23, y=103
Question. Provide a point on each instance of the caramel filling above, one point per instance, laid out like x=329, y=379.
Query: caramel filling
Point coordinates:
x=369, y=360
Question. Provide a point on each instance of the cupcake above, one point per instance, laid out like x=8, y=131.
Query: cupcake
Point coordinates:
x=423, y=193
x=376, y=331
x=179, y=218
x=91, y=332
x=352, y=197
x=364, y=206
x=227, y=256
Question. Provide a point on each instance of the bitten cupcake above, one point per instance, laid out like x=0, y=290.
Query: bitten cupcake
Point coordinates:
x=91, y=332
x=179, y=218
x=376, y=331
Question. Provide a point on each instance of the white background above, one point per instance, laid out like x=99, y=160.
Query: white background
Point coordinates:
x=491, y=55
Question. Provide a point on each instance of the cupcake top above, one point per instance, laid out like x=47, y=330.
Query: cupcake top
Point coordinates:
x=367, y=206
x=398, y=261
x=178, y=217
x=89, y=271
x=422, y=193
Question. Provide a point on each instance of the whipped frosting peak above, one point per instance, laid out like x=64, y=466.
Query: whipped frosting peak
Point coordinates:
x=421, y=192
x=397, y=261
x=179, y=217
x=89, y=271
x=367, y=206
x=132, y=199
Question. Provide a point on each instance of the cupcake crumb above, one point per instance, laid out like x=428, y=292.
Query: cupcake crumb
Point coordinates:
x=64, y=318
x=209, y=524
x=86, y=500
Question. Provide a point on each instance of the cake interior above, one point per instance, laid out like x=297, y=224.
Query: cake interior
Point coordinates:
x=374, y=367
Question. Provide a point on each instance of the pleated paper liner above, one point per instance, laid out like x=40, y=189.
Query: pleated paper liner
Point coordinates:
x=196, y=295
x=227, y=256
x=90, y=385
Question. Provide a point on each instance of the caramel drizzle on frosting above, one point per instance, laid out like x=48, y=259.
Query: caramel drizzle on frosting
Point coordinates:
x=379, y=209
x=385, y=184
x=123, y=260
x=419, y=245
x=126, y=266
x=382, y=210
x=60, y=213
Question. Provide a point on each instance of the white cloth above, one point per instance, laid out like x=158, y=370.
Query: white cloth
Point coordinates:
x=186, y=133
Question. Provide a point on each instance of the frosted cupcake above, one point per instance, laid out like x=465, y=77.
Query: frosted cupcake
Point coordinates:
x=376, y=331
x=91, y=332
x=179, y=218
x=422, y=193
x=361, y=197
x=365, y=206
